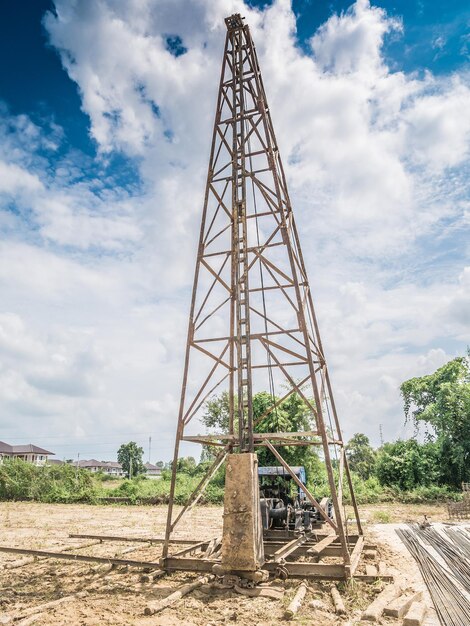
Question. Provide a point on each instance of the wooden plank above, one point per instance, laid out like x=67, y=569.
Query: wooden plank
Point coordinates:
x=284, y=551
x=356, y=555
x=400, y=606
x=376, y=608
x=416, y=614
x=317, y=549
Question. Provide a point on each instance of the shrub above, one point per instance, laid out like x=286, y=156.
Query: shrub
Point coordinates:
x=20, y=480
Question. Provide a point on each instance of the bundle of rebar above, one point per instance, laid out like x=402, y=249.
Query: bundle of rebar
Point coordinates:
x=453, y=557
x=461, y=539
x=452, y=607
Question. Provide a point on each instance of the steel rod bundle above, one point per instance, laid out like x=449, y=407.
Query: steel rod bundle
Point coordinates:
x=452, y=607
x=460, y=538
x=455, y=560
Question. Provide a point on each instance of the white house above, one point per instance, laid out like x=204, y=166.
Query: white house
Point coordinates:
x=152, y=471
x=28, y=452
x=112, y=468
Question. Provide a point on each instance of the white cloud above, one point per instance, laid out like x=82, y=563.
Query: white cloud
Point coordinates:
x=94, y=278
x=15, y=179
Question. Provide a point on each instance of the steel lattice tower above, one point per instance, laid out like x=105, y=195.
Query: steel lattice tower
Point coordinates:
x=252, y=324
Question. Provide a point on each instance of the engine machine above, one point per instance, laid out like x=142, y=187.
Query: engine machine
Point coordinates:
x=284, y=505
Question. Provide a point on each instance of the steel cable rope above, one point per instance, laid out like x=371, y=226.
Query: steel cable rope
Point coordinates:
x=270, y=373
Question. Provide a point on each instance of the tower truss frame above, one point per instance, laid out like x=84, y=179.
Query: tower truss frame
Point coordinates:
x=252, y=321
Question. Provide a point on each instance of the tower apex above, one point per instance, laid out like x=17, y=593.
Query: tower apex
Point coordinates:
x=235, y=21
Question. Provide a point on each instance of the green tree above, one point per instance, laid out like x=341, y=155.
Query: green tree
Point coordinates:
x=186, y=465
x=442, y=402
x=291, y=415
x=130, y=457
x=361, y=456
x=408, y=464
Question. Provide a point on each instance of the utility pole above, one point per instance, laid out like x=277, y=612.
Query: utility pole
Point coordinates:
x=77, y=466
x=381, y=435
x=130, y=467
x=150, y=446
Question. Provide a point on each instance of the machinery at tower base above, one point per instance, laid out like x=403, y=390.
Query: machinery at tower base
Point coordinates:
x=284, y=506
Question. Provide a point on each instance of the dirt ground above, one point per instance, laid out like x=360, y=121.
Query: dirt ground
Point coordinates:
x=103, y=596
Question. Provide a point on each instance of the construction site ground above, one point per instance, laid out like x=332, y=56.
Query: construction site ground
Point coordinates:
x=98, y=595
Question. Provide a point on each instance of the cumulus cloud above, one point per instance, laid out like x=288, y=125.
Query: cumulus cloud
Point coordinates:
x=95, y=276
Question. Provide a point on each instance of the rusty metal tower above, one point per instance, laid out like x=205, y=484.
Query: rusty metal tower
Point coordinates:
x=252, y=327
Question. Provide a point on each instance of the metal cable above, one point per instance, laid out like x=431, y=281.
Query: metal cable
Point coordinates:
x=270, y=372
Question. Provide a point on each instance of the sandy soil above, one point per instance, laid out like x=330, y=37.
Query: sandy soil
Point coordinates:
x=117, y=596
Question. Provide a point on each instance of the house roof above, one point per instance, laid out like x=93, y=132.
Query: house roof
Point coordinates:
x=29, y=448
x=150, y=466
x=91, y=463
x=95, y=463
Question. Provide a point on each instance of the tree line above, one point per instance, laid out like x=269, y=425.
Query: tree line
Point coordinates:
x=439, y=403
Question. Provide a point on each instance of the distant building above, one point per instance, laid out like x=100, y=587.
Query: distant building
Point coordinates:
x=29, y=452
x=153, y=471
x=112, y=468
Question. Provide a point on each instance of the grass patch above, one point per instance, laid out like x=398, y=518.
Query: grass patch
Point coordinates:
x=381, y=517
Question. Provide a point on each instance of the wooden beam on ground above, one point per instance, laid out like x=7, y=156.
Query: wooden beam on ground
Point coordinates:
x=156, y=607
x=377, y=607
x=400, y=606
x=338, y=603
x=416, y=614
x=296, y=603
x=388, y=578
x=80, y=557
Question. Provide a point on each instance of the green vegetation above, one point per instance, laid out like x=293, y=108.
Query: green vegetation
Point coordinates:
x=293, y=414
x=362, y=457
x=441, y=401
x=20, y=480
x=399, y=471
x=130, y=457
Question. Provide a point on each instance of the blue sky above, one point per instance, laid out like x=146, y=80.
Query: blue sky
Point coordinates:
x=436, y=37
x=105, y=118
